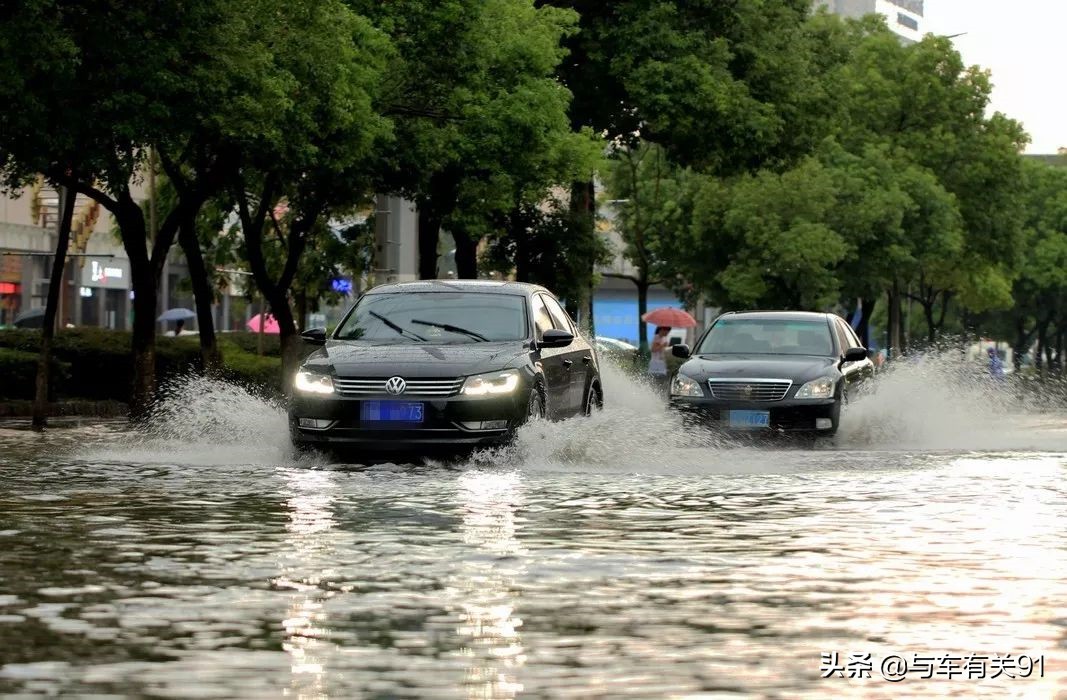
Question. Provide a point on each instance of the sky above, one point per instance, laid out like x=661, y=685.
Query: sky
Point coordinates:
x=1022, y=43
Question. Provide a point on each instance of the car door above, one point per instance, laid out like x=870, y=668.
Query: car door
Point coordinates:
x=556, y=371
x=578, y=356
x=855, y=373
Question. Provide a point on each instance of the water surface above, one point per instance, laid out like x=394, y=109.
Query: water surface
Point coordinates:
x=612, y=557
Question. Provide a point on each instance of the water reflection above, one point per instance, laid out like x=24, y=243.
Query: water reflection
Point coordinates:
x=486, y=582
x=308, y=551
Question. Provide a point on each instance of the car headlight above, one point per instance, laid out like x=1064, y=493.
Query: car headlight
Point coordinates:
x=821, y=388
x=313, y=383
x=492, y=383
x=682, y=385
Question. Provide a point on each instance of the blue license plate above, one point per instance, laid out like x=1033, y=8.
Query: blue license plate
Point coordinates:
x=750, y=419
x=391, y=412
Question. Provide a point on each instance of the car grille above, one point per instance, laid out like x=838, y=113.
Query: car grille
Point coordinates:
x=349, y=386
x=750, y=389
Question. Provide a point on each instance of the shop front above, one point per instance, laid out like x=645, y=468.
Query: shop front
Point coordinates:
x=103, y=296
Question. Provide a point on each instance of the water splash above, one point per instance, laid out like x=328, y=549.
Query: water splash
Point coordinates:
x=939, y=403
x=202, y=421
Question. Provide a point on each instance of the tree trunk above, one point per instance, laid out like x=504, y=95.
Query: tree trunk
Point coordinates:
x=429, y=233
x=145, y=297
x=1058, y=364
x=145, y=270
x=288, y=337
x=203, y=294
x=642, y=309
x=931, y=325
x=1042, y=344
x=1019, y=347
x=466, y=255
x=583, y=209
x=300, y=298
x=864, y=328
x=895, y=340
x=55, y=288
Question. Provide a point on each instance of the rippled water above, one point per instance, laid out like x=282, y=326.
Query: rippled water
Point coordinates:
x=609, y=557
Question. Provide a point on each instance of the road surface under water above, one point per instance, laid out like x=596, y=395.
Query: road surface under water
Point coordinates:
x=614, y=556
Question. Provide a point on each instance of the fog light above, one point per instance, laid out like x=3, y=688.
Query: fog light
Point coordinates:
x=485, y=424
x=823, y=424
x=315, y=423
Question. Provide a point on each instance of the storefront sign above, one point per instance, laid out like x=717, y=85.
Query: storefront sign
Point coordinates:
x=110, y=274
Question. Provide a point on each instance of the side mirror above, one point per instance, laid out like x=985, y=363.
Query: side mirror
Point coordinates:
x=554, y=338
x=855, y=355
x=681, y=350
x=315, y=336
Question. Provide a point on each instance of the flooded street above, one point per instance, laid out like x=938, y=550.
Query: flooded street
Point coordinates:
x=617, y=556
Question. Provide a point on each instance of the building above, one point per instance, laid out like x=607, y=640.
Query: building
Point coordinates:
x=97, y=289
x=904, y=17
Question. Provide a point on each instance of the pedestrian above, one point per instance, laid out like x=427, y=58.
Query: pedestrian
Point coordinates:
x=657, y=362
x=996, y=365
x=178, y=325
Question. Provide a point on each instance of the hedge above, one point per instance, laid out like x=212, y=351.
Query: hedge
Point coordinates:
x=18, y=374
x=96, y=363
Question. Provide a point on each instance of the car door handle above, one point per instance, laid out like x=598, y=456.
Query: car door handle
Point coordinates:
x=568, y=363
x=587, y=359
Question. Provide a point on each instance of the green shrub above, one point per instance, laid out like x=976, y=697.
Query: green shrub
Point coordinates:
x=260, y=372
x=249, y=342
x=18, y=374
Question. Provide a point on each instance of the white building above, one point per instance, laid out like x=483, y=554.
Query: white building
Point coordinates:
x=904, y=17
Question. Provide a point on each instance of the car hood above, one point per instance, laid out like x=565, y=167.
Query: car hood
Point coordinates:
x=799, y=368
x=353, y=359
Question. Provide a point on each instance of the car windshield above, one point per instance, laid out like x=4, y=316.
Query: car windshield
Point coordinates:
x=436, y=317
x=742, y=336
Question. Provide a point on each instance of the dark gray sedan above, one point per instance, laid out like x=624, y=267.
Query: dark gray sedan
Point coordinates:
x=783, y=371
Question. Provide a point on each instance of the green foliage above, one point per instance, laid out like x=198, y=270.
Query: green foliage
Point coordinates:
x=544, y=250
x=95, y=363
x=262, y=372
x=18, y=373
x=653, y=203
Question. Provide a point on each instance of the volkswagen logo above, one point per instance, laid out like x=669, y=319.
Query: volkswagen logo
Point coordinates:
x=747, y=390
x=396, y=386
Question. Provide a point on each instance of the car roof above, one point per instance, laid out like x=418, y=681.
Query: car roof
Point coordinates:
x=780, y=315
x=452, y=285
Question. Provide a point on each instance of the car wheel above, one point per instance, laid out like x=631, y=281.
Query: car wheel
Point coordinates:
x=535, y=409
x=594, y=400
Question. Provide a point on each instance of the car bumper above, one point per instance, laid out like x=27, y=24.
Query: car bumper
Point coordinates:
x=454, y=421
x=787, y=416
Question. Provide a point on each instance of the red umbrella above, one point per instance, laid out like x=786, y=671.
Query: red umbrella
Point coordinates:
x=270, y=327
x=674, y=318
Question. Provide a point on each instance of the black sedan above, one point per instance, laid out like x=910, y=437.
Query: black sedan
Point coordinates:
x=785, y=371
x=442, y=363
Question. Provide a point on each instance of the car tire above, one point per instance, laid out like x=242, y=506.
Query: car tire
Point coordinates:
x=535, y=407
x=594, y=400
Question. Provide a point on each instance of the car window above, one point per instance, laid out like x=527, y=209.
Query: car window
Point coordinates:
x=843, y=339
x=542, y=319
x=559, y=317
x=436, y=317
x=765, y=336
x=856, y=342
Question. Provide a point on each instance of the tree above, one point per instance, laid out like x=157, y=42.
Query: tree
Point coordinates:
x=315, y=158
x=96, y=86
x=540, y=248
x=651, y=200
x=724, y=87
x=479, y=119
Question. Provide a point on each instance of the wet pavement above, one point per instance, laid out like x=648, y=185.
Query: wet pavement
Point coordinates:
x=608, y=557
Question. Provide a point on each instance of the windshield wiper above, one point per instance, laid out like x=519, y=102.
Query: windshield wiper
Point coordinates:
x=452, y=329
x=395, y=327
